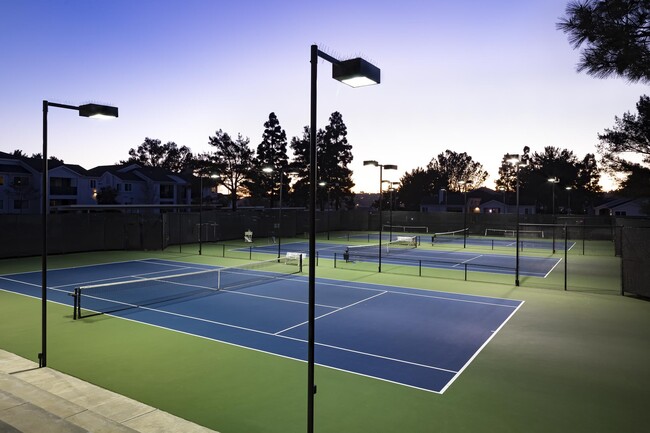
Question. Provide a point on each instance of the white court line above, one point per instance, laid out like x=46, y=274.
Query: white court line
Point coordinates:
x=554, y=266
x=332, y=312
x=468, y=260
x=469, y=361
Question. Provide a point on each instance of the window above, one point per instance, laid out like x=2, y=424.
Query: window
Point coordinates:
x=620, y=213
x=93, y=183
x=127, y=187
x=166, y=191
x=2, y=204
x=21, y=181
x=21, y=204
x=2, y=180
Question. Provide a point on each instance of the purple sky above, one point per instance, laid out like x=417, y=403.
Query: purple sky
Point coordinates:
x=486, y=78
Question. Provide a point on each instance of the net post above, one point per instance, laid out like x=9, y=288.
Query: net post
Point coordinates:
x=223, y=250
x=75, y=304
x=250, y=253
x=465, y=271
x=334, y=260
x=300, y=263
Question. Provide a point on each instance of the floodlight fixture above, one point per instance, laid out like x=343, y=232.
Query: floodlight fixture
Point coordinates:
x=356, y=72
x=97, y=111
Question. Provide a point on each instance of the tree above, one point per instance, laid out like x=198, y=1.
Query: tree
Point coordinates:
x=616, y=35
x=107, y=195
x=334, y=153
x=300, y=166
x=637, y=183
x=581, y=176
x=630, y=137
x=18, y=153
x=413, y=186
x=272, y=153
x=232, y=160
x=508, y=170
x=450, y=168
x=152, y=153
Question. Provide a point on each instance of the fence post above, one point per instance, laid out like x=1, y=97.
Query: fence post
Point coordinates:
x=566, y=254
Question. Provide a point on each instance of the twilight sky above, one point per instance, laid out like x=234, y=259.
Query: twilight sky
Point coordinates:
x=486, y=78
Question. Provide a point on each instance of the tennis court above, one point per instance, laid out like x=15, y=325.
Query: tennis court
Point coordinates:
x=418, y=338
x=431, y=258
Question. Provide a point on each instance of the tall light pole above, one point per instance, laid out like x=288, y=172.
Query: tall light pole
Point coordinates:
x=553, y=181
x=381, y=183
x=391, y=188
x=356, y=73
x=279, y=224
x=465, y=183
x=86, y=110
x=568, y=191
x=515, y=161
x=212, y=176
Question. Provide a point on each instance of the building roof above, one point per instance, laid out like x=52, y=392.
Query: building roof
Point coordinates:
x=12, y=168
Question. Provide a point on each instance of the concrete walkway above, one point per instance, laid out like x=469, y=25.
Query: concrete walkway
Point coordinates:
x=42, y=400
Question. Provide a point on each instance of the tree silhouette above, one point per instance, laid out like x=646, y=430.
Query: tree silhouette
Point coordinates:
x=615, y=35
x=152, y=153
x=450, y=168
x=233, y=161
x=272, y=153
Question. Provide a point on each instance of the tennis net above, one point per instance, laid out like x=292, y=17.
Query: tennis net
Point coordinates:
x=511, y=233
x=401, y=244
x=116, y=296
x=450, y=236
x=406, y=229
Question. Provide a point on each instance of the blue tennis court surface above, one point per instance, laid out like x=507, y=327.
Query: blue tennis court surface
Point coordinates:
x=432, y=258
x=418, y=338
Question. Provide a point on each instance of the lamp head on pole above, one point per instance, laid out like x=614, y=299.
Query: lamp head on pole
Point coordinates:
x=97, y=111
x=267, y=169
x=390, y=167
x=371, y=162
x=356, y=72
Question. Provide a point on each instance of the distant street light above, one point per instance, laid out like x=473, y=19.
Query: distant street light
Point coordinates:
x=553, y=181
x=354, y=72
x=381, y=182
x=515, y=161
x=465, y=183
x=86, y=110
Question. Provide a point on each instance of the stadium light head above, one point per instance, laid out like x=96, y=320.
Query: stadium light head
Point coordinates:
x=390, y=167
x=553, y=180
x=356, y=72
x=267, y=169
x=512, y=158
x=97, y=111
x=371, y=162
